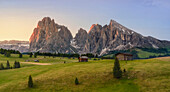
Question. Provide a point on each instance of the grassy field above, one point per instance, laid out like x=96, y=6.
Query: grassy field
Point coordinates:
x=139, y=53
x=149, y=75
x=145, y=54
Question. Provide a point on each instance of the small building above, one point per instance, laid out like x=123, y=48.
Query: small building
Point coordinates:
x=83, y=59
x=124, y=56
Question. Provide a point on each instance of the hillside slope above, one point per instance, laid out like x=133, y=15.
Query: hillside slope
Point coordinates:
x=150, y=75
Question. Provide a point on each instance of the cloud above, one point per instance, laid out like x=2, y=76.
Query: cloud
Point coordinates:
x=157, y=3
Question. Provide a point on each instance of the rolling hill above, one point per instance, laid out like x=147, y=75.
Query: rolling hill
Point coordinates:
x=149, y=75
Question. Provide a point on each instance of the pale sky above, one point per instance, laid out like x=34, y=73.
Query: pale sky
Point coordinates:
x=18, y=18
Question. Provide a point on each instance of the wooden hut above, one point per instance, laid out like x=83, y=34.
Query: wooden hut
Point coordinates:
x=124, y=56
x=83, y=59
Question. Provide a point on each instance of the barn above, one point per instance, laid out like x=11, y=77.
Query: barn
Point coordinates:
x=124, y=56
x=83, y=59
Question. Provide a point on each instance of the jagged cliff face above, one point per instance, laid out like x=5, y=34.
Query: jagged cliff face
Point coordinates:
x=79, y=40
x=51, y=37
x=114, y=36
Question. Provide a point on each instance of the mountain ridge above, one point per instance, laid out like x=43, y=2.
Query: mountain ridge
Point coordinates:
x=22, y=46
x=48, y=36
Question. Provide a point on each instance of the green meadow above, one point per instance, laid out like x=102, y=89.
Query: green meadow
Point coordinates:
x=147, y=75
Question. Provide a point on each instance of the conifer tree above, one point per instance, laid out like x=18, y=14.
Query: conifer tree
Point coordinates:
x=124, y=70
x=7, y=54
x=20, y=55
x=117, y=72
x=7, y=65
x=15, y=64
x=1, y=66
x=76, y=81
x=31, y=54
x=30, y=82
x=18, y=65
x=35, y=55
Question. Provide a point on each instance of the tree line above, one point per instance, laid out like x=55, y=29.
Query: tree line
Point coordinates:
x=16, y=65
x=90, y=55
x=8, y=53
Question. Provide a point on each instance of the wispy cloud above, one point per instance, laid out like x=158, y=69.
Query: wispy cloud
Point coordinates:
x=157, y=3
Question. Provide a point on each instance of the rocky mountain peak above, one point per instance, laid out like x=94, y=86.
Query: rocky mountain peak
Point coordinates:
x=50, y=37
x=46, y=19
x=79, y=40
x=82, y=31
x=115, y=25
x=95, y=27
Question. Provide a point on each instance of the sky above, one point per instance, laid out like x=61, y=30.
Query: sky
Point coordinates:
x=18, y=18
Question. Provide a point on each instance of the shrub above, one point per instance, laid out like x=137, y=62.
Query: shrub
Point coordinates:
x=30, y=82
x=76, y=81
x=117, y=72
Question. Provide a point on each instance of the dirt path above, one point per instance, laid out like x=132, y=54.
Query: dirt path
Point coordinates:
x=36, y=63
x=164, y=58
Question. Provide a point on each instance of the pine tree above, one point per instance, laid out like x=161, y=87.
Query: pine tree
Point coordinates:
x=31, y=54
x=117, y=72
x=30, y=82
x=20, y=55
x=19, y=65
x=15, y=65
x=76, y=81
x=7, y=65
x=35, y=55
x=7, y=54
x=124, y=70
x=1, y=67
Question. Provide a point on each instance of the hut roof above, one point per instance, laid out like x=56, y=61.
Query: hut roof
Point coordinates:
x=84, y=57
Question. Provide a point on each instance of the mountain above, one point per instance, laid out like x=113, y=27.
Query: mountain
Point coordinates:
x=79, y=41
x=102, y=39
x=51, y=37
x=22, y=46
